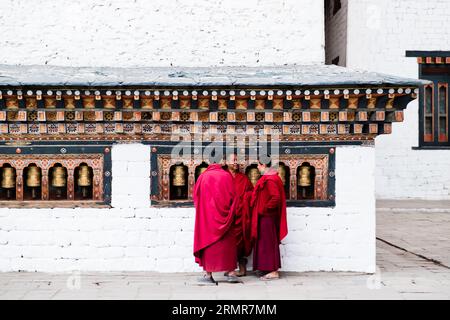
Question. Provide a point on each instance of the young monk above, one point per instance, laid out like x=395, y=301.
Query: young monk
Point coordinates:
x=269, y=223
x=214, y=237
x=242, y=225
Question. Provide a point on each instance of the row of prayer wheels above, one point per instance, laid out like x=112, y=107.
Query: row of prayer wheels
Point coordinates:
x=304, y=177
x=58, y=179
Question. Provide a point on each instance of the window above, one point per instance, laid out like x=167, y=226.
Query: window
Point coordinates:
x=307, y=174
x=434, y=117
x=69, y=176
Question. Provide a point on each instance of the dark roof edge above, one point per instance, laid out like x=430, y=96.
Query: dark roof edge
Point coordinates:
x=418, y=53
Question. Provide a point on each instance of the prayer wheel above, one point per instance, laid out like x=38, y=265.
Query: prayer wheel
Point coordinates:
x=33, y=179
x=305, y=182
x=84, y=179
x=179, y=179
x=84, y=176
x=282, y=173
x=179, y=183
x=59, y=180
x=304, y=179
x=59, y=177
x=8, y=180
x=200, y=169
x=254, y=175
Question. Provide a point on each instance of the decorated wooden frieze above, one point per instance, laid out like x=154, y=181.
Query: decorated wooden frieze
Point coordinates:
x=106, y=114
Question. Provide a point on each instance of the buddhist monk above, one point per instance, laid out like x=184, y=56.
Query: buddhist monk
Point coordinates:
x=242, y=225
x=269, y=222
x=214, y=237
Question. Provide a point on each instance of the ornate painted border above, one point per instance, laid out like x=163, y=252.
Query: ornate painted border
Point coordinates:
x=46, y=161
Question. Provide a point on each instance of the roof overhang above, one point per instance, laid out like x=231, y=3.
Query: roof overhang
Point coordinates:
x=299, y=102
x=276, y=76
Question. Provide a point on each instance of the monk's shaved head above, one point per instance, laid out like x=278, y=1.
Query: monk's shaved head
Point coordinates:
x=232, y=162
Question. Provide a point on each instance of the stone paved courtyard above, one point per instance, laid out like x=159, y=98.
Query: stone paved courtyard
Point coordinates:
x=413, y=258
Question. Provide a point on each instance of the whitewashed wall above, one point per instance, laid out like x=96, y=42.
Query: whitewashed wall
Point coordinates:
x=134, y=236
x=379, y=33
x=161, y=32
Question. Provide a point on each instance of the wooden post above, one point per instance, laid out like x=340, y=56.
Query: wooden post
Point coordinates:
x=70, y=184
x=45, y=190
x=293, y=183
x=191, y=180
x=96, y=185
x=19, y=184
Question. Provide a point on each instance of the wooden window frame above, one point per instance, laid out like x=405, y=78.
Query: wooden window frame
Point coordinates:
x=323, y=158
x=70, y=156
x=443, y=85
x=439, y=80
x=425, y=96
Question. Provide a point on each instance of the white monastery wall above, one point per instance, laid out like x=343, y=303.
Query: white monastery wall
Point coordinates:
x=125, y=33
x=379, y=33
x=133, y=236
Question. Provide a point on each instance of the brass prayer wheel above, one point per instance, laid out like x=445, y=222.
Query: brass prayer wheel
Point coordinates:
x=59, y=177
x=304, y=179
x=33, y=177
x=84, y=177
x=8, y=178
x=200, y=169
x=179, y=176
x=282, y=173
x=254, y=175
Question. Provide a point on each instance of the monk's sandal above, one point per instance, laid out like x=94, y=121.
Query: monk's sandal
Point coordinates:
x=207, y=280
x=233, y=279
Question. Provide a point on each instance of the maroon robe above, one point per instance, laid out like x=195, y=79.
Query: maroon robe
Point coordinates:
x=269, y=222
x=214, y=238
x=243, y=220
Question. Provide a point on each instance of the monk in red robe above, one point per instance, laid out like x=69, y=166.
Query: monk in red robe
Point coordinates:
x=242, y=224
x=214, y=237
x=269, y=222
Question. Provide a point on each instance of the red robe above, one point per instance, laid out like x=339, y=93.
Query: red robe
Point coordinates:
x=214, y=239
x=269, y=221
x=244, y=190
